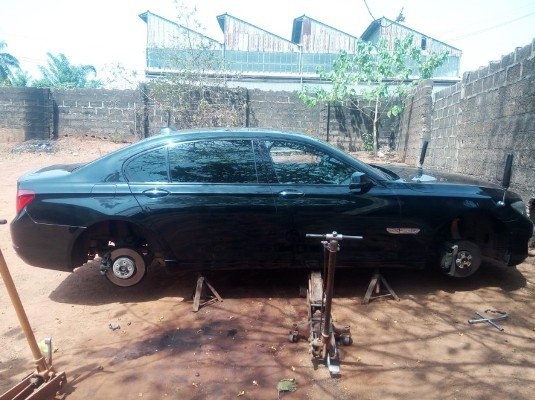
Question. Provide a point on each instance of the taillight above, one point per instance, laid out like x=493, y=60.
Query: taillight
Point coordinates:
x=24, y=197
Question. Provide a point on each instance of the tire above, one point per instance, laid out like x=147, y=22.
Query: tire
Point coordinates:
x=467, y=260
x=127, y=269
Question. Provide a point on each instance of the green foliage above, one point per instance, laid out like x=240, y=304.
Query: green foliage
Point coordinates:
x=381, y=73
x=60, y=73
x=8, y=65
x=21, y=79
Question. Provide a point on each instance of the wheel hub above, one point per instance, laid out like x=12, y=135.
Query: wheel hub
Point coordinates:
x=464, y=259
x=124, y=267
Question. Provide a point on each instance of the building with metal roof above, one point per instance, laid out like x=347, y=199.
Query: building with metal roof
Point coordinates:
x=253, y=57
x=386, y=29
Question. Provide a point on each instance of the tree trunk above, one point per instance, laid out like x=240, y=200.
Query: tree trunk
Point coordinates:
x=375, y=141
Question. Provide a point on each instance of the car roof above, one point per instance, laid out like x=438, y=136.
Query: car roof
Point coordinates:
x=239, y=132
x=193, y=134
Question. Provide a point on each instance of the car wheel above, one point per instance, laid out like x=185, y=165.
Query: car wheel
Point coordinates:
x=467, y=260
x=127, y=267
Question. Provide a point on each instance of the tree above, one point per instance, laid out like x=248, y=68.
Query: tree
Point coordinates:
x=21, y=79
x=8, y=64
x=379, y=73
x=188, y=93
x=117, y=76
x=60, y=73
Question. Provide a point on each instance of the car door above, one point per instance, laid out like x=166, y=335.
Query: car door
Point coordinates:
x=207, y=205
x=312, y=195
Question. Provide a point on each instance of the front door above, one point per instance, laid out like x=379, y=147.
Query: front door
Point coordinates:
x=312, y=195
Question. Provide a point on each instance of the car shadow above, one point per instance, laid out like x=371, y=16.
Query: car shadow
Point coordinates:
x=87, y=286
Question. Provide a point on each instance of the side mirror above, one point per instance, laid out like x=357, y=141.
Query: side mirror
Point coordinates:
x=359, y=182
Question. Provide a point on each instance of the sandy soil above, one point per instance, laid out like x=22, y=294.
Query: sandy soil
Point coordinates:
x=420, y=347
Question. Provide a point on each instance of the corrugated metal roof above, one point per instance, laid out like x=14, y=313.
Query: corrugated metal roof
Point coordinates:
x=145, y=17
x=317, y=37
x=221, y=20
x=383, y=21
x=302, y=17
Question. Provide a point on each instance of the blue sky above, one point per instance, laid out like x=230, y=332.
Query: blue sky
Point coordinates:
x=107, y=32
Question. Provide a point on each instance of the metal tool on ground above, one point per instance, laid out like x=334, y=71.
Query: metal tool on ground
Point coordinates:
x=44, y=382
x=482, y=318
x=201, y=280
x=319, y=330
x=375, y=286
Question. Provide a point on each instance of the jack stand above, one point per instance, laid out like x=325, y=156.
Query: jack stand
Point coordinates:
x=201, y=280
x=44, y=383
x=375, y=284
x=319, y=330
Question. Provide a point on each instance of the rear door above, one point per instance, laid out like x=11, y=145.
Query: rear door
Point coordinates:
x=207, y=203
x=312, y=195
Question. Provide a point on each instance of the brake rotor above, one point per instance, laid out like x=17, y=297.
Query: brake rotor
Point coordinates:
x=127, y=267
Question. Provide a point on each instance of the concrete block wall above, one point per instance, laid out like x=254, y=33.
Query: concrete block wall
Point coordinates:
x=25, y=113
x=477, y=122
x=218, y=108
x=111, y=114
x=285, y=111
x=130, y=115
x=415, y=125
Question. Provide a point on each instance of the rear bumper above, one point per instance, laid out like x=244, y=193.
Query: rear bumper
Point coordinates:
x=43, y=245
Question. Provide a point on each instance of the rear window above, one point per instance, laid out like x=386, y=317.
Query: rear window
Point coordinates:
x=150, y=166
x=213, y=161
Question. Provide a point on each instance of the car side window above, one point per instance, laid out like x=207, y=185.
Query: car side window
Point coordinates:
x=150, y=166
x=299, y=163
x=213, y=161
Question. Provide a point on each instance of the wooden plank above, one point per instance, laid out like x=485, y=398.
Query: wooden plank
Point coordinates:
x=48, y=390
x=315, y=287
x=11, y=393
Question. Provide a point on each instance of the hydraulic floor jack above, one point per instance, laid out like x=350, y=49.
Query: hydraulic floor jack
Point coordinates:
x=319, y=330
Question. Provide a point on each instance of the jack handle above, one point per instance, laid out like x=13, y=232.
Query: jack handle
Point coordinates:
x=332, y=236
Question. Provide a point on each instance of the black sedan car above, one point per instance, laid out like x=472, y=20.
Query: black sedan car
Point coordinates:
x=245, y=199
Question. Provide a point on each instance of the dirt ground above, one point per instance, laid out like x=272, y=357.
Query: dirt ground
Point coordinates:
x=421, y=347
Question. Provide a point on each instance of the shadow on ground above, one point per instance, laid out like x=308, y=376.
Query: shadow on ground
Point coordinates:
x=86, y=286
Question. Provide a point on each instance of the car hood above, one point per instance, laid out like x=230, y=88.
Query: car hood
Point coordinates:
x=415, y=175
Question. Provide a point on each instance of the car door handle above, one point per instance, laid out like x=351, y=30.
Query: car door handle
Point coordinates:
x=290, y=194
x=154, y=193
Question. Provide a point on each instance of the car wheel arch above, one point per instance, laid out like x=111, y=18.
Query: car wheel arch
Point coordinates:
x=480, y=227
x=82, y=243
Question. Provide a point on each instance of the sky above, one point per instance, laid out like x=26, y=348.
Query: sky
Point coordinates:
x=109, y=32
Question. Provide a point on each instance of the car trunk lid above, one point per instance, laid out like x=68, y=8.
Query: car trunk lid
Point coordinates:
x=53, y=171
